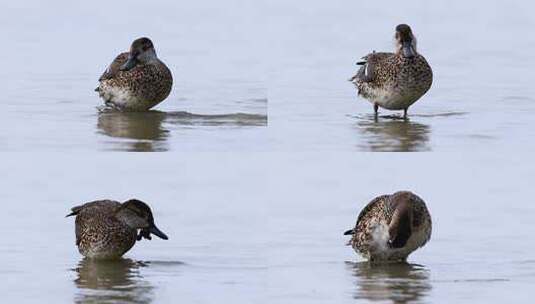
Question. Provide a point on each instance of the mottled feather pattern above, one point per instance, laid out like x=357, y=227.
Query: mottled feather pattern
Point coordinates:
x=368, y=71
x=138, y=89
x=374, y=212
x=99, y=233
x=380, y=212
x=114, y=67
x=393, y=81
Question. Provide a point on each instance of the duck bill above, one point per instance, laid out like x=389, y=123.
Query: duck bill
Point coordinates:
x=407, y=50
x=129, y=64
x=157, y=232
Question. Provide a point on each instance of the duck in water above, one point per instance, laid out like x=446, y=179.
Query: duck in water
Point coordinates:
x=391, y=227
x=108, y=229
x=394, y=81
x=136, y=80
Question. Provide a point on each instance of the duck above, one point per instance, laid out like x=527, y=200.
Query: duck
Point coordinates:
x=394, y=81
x=107, y=229
x=136, y=80
x=391, y=227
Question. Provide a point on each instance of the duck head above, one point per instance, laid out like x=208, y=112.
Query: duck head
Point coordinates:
x=400, y=227
x=405, y=41
x=138, y=215
x=141, y=52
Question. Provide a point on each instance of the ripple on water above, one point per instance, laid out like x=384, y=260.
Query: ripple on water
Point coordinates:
x=151, y=130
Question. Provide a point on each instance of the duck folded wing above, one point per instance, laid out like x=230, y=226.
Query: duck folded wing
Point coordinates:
x=103, y=205
x=369, y=64
x=86, y=212
x=114, y=67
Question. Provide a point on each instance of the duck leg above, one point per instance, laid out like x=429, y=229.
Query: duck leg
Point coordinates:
x=376, y=109
x=405, y=113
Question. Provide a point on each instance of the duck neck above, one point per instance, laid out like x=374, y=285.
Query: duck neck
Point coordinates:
x=400, y=228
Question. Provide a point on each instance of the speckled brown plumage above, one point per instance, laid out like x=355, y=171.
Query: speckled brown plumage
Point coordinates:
x=99, y=233
x=107, y=229
x=394, y=81
x=139, y=88
x=378, y=237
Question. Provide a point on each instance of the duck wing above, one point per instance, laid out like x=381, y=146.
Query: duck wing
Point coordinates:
x=102, y=206
x=368, y=69
x=86, y=212
x=368, y=209
x=114, y=67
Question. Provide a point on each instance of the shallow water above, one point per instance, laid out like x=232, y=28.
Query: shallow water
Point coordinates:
x=481, y=54
x=479, y=250
x=261, y=219
x=152, y=131
x=228, y=58
x=246, y=233
x=58, y=50
x=208, y=205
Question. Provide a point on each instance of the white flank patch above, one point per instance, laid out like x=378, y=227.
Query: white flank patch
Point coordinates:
x=121, y=97
x=390, y=101
x=380, y=237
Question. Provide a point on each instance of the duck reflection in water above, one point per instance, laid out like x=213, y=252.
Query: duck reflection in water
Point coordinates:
x=115, y=281
x=143, y=129
x=393, y=282
x=394, y=135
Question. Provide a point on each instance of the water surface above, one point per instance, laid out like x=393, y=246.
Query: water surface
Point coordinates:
x=481, y=54
x=268, y=228
x=249, y=226
x=58, y=50
x=479, y=250
x=210, y=206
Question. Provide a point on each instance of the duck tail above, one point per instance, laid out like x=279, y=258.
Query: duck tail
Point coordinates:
x=75, y=210
x=350, y=232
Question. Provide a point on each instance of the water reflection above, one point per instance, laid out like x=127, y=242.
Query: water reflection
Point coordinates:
x=111, y=282
x=392, y=134
x=145, y=131
x=398, y=283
